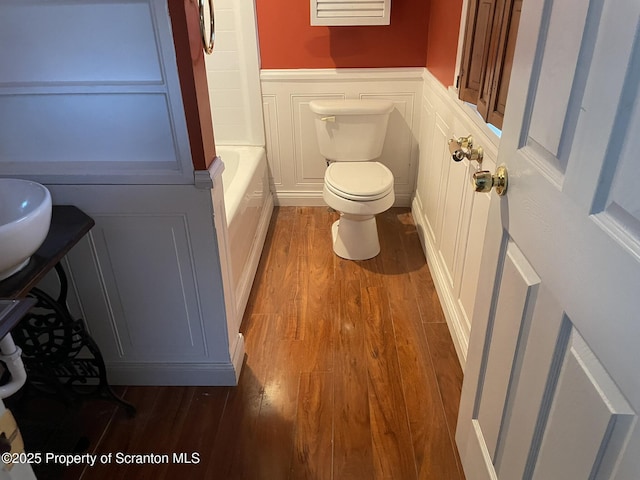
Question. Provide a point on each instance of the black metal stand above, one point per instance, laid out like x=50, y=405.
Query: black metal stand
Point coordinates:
x=59, y=355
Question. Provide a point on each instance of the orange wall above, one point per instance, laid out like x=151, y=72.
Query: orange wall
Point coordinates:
x=287, y=40
x=422, y=33
x=444, y=26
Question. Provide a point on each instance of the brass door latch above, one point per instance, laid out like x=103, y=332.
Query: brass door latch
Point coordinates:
x=462, y=148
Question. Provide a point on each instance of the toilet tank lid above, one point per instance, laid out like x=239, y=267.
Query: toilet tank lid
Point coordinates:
x=351, y=107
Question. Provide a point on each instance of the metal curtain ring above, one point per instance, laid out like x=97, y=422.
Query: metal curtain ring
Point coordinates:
x=208, y=46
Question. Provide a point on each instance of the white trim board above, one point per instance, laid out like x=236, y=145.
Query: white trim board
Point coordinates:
x=179, y=374
x=342, y=74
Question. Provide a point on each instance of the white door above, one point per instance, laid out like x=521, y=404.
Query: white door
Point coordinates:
x=552, y=380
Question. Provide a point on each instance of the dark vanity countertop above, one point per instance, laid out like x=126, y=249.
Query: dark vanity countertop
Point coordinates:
x=68, y=225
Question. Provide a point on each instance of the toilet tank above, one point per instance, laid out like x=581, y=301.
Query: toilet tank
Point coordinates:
x=351, y=130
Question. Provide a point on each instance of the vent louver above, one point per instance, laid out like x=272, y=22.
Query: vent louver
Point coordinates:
x=350, y=12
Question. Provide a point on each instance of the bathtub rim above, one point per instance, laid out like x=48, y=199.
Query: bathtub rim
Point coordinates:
x=235, y=188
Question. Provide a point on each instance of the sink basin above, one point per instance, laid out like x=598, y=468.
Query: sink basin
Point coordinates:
x=25, y=216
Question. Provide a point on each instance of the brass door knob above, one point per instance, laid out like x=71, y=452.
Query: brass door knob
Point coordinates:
x=484, y=180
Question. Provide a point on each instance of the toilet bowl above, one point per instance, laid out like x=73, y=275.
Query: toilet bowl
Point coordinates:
x=355, y=234
x=350, y=135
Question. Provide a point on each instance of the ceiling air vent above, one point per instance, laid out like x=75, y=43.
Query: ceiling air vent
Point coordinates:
x=350, y=12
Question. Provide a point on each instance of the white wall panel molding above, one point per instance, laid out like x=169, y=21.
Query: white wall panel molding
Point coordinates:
x=308, y=164
x=451, y=218
x=341, y=74
x=270, y=109
x=148, y=281
x=297, y=168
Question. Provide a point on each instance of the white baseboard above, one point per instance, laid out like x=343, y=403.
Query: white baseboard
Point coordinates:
x=449, y=303
x=298, y=199
x=403, y=200
x=181, y=374
x=176, y=374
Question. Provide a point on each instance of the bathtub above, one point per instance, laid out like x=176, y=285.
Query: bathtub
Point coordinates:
x=248, y=207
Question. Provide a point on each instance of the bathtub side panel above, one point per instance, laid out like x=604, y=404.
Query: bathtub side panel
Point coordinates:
x=248, y=202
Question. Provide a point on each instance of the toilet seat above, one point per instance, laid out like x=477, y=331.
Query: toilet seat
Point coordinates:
x=359, y=181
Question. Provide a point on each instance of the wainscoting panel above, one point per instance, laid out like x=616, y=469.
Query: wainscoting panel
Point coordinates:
x=308, y=164
x=297, y=168
x=457, y=187
x=427, y=118
x=148, y=282
x=400, y=141
x=438, y=173
x=451, y=217
x=270, y=109
x=146, y=261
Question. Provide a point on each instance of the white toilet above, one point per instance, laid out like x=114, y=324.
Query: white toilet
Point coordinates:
x=351, y=134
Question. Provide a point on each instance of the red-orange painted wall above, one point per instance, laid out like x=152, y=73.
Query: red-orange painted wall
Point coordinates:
x=422, y=33
x=287, y=40
x=442, y=45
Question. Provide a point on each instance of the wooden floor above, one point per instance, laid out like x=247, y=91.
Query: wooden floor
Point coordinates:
x=350, y=373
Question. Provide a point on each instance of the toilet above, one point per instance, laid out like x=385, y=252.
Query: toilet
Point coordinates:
x=350, y=136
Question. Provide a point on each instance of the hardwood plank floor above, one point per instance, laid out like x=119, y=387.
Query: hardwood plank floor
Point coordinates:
x=350, y=374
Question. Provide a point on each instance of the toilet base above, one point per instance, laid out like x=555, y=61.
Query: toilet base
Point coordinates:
x=355, y=237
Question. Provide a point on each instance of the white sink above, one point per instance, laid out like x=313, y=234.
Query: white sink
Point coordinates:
x=25, y=216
